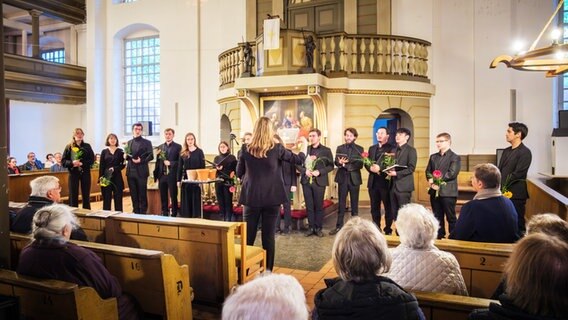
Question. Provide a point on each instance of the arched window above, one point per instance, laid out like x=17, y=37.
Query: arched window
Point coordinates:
x=142, y=82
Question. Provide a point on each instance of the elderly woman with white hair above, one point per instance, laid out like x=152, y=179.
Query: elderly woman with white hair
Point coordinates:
x=360, y=255
x=270, y=296
x=51, y=256
x=417, y=264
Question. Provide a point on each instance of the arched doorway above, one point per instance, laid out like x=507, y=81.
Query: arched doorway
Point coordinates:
x=393, y=119
x=226, y=129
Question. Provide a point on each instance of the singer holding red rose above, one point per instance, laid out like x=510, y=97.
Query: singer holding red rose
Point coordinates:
x=442, y=173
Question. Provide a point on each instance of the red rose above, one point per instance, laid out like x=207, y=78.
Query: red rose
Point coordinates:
x=437, y=174
x=365, y=154
x=232, y=189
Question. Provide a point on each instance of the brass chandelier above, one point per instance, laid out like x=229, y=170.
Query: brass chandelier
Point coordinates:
x=552, y=59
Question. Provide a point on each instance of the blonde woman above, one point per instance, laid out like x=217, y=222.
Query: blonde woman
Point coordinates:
x=191, y=157
x=78, y=158
x=263, y=191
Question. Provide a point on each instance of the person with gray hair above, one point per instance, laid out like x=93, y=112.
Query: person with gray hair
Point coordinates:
x=490, y=216
x=417, y=263
x=51, y=256
x=270, y=296
x=46, y=190
x=360, y=255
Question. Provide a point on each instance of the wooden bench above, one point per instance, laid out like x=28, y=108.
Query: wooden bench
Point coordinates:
x=93, y=223
x=155, y=279
x=250, y=260
x=206, y=246
x=52, y=299
x=481, y=263
x=442, y=306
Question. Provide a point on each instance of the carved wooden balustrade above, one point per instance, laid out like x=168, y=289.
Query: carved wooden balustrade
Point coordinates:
x=344, y=55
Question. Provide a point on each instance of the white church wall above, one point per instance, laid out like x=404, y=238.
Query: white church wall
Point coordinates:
x=42, y=128
x=472, y=102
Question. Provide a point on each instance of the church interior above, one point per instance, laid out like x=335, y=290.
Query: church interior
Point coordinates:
x=213, y=68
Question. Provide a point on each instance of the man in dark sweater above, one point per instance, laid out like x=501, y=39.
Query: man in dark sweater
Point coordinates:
x=489, y=217
x=138, y=153
x=514, y=165
x=45, y=191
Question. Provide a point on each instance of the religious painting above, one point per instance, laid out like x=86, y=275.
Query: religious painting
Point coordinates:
x=292, y=117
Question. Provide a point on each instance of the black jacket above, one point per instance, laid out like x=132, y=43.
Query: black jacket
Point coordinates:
x=376, y=154
x=515, y=163
x=507, y=311
x=404, y=179
x=172, y=154
x=324, y=165
x=87, y=157
x=449, y=164
x=139, y=148
x=380, y=298
x=352, y=169
x=263, y=185
x=22, y=222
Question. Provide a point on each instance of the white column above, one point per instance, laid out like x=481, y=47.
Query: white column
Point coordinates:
x=24, y=51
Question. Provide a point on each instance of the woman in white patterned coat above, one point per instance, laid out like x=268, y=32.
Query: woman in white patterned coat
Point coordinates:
x=417, y=264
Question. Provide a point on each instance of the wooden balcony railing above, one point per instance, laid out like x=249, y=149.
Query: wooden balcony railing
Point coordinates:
x=338, y=55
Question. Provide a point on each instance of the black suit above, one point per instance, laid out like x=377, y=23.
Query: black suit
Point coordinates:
x=167, y=176
x=290, y=180
x=348, y=178
x=137, y=173
x=378, y=185
x=403, y=182
x=80, y=174
x=445, y=203
x=314, y=188
x=263, y=192
x=223, y=189
x=514, y=165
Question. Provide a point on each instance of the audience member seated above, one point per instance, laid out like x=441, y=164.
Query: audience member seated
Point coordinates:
x=270, y=296
x=51, y=256
x=45, y=191
x=360, y=254
x=537, y=282
x=57, y=167
x=417, y=265
x=546, y=223
x=489, y=217
x=32, y=164
x=13, y=166
x=49, y=161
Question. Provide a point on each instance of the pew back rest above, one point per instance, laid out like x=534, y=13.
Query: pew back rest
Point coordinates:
x=481, y=263
x=53, y=299
x=155, y=279
x=441, y=306
x=206, y=246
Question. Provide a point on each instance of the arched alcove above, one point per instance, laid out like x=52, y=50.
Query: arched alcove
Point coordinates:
x=225, y=125
x=392, y=119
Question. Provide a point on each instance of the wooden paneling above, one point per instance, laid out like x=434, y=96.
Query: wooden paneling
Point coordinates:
x=544, y=199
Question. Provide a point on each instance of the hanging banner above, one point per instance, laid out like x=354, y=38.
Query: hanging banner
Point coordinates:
x=272, y=34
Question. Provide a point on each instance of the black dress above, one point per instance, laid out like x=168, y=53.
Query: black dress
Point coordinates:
x=190, y=193
x=111, y=167
x=223, y=189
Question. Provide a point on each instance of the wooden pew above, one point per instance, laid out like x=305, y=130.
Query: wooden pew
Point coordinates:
x=155, y=279
x=52, y=299
x=19, y=184
x=206, y=246
x=93, y=223
x=481, y=263
x=441, y=306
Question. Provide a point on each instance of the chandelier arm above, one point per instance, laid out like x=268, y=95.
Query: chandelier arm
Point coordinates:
x=560, y=3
